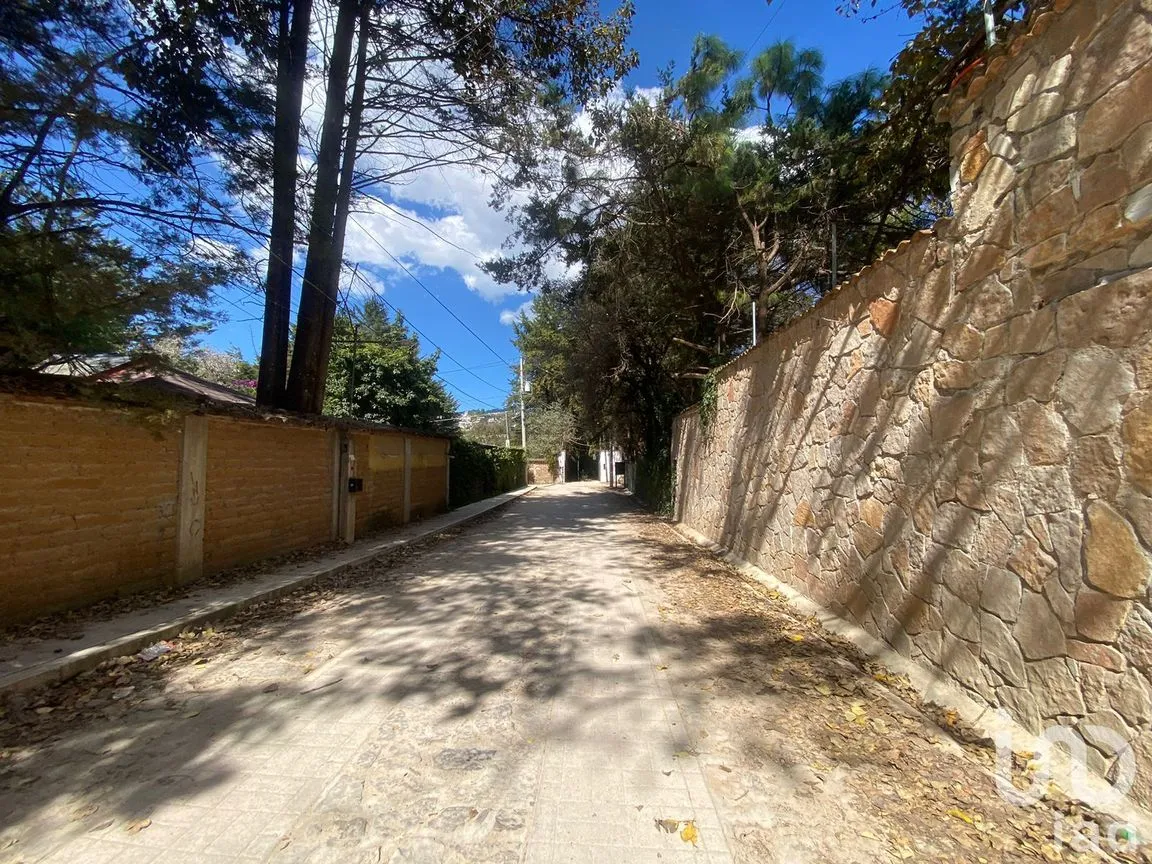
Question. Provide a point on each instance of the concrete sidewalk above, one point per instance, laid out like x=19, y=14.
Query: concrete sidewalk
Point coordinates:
x=57, y=659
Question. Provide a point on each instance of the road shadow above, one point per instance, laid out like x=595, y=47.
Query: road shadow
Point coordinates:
x=451, y=631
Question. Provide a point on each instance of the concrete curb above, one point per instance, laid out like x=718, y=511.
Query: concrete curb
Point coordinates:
x=274, y=586
x=933, y=687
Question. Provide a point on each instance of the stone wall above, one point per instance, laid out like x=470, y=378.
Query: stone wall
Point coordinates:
x=98, y=500
x=954, y=449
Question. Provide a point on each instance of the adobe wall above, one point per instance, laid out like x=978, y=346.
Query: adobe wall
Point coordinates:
x=429, y=461
x=99, y=500
x=380, y=461
x=72, y=529
x=954, y=449
x=269, y=491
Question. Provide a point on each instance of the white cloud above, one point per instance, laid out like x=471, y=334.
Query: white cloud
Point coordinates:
x=465, y=232
x=508, y=317
x=754, y=134
x=438, y=218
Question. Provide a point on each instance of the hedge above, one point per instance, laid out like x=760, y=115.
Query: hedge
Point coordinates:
x=654, y=482
x=481, y=471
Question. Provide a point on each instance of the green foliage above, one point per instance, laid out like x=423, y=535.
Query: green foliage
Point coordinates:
x=480, y=471
x=487, y=428
x=708, y=403
x=73, y=291
x=436, y=83
x=710, y=220
x=109, y=235
x=682, y=222
x=551, y=428
x=376, y=373
x=908, y=150
x=654, y=482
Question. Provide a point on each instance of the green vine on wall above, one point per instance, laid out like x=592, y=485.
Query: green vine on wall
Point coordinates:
x=708, y=401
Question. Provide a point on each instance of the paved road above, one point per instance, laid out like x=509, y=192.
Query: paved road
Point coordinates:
x=564, y=682
x=496, y=702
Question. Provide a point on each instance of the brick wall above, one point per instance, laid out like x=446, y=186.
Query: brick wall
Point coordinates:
x=91, y=501
x=954, y=449
x=269, y=490
x=429, y=489
x=380, y=462
x=541, y=471
x=71, y=530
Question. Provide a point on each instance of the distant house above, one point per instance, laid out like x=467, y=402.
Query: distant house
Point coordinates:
x=151, y=372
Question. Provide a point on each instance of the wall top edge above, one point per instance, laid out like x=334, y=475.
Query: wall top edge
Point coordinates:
x=105, y=396
x=971, y=83
x=887, y=257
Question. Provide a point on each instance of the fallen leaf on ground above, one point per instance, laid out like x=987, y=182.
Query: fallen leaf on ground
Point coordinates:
x=84, y=811
x=688, y=833
x=668, y=826
x=961, y=815
x=138, y=826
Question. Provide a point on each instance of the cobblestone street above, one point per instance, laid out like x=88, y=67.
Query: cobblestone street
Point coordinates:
x=567, y=681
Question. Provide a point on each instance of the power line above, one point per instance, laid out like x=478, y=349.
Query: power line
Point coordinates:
x=425, y=337
x=470, y=368
x=429, y=291
x=417, y=222
x=356, y=274
x=372, y=289
x=767, y=24
x=436, y=374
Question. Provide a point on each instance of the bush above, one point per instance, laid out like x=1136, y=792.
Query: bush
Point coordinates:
x=654, y=482
x=481, y=471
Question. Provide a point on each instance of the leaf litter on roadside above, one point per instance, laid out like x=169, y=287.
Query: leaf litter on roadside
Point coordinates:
x=920, y=773
x=689, y=833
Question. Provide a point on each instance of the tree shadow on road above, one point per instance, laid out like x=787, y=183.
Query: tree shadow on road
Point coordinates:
x=798, y=720
x=487, y=615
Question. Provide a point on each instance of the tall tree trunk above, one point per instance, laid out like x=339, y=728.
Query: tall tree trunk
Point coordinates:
x=305, y=381
x=291, y=70
x=331, y=285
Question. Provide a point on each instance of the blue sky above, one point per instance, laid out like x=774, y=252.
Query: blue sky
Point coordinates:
x=440, y=225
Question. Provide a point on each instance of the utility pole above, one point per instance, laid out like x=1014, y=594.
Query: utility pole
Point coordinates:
x=753, y=323
x=523, y=426
x=507, y=430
